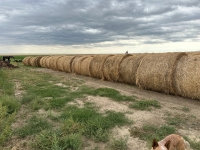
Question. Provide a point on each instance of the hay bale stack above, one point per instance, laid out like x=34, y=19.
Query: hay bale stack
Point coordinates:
x=53, y=62
x=156, y=72
x=76, y=64
x=26, y=61
x=128, y=68
x=96, y=65
x=32, y=61
x=187, y=77
x=60, y=63
x=67, y=64
x=85, y=66
x=111, y=67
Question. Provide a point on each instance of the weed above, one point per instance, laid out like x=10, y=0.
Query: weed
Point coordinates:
x=145, y=104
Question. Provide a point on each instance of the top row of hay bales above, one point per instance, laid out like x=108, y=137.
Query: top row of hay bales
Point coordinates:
x=171, y=73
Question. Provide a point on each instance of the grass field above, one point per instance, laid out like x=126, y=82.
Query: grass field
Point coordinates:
x=36, y=112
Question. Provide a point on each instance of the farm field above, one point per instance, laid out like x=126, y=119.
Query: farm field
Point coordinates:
x=56, y=110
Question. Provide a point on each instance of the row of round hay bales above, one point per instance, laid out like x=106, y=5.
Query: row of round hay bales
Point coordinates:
x=32, y=61
x=171, y=73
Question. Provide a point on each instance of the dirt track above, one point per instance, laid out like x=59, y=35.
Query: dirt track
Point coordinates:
x=170, y=104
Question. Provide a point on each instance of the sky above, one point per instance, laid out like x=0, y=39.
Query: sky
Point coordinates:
x=99, y=26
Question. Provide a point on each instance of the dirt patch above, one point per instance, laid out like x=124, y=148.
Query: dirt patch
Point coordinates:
x=6, y=64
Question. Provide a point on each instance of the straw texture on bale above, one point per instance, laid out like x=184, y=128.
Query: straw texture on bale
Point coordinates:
x=128, y=68
x=76, y=64
x=42, y=61
x=67, y=65
x=85, y=66
x=37, y=61
x=60, y=63
x=53, y=62
x=45, y=62
x=32, y=61
x=156, y=72
x=26, y=61
x=96, y=65
x=187, y=77
x=111, y=67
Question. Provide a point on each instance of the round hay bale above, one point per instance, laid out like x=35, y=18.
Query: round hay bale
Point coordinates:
x=96, y=65
x=53, y=62
x=187, y=77
x=85, y=66
x=156, y=72
x=76, y=64
x=32, y=61
x=47, y=61
x=37, y=61
x=128, y=68
x=42, y=61
x=60, y=63
x=26, y=61
x=111, y=67
x=67, y=64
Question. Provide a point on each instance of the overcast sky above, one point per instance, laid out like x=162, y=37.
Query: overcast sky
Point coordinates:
x=99, y=26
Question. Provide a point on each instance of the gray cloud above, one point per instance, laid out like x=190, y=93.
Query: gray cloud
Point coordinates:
x=76, y=22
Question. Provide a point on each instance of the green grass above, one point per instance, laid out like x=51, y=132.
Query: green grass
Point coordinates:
x=149, y=132
x=119, y=144
x=7, y=87
x=34, y=125
x=94, y=125
x=145, y=105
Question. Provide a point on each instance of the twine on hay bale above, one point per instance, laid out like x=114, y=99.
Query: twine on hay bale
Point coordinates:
x=111, y=67
x=156, y=72
x=67, y=65
x=96, y=65
x=128, y=68
x=187, y=76
x=26, y=61
x=85, y=66
x=76, y=65
x=60, y=63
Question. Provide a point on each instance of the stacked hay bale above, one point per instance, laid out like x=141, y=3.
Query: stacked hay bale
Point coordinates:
x=76, y=64
x=26, y=61
x=156, y=72
x=128, y=68
x=85, y=66
x=187, y=76
x=111, y=67
x=67, y=64
x=96, y=65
